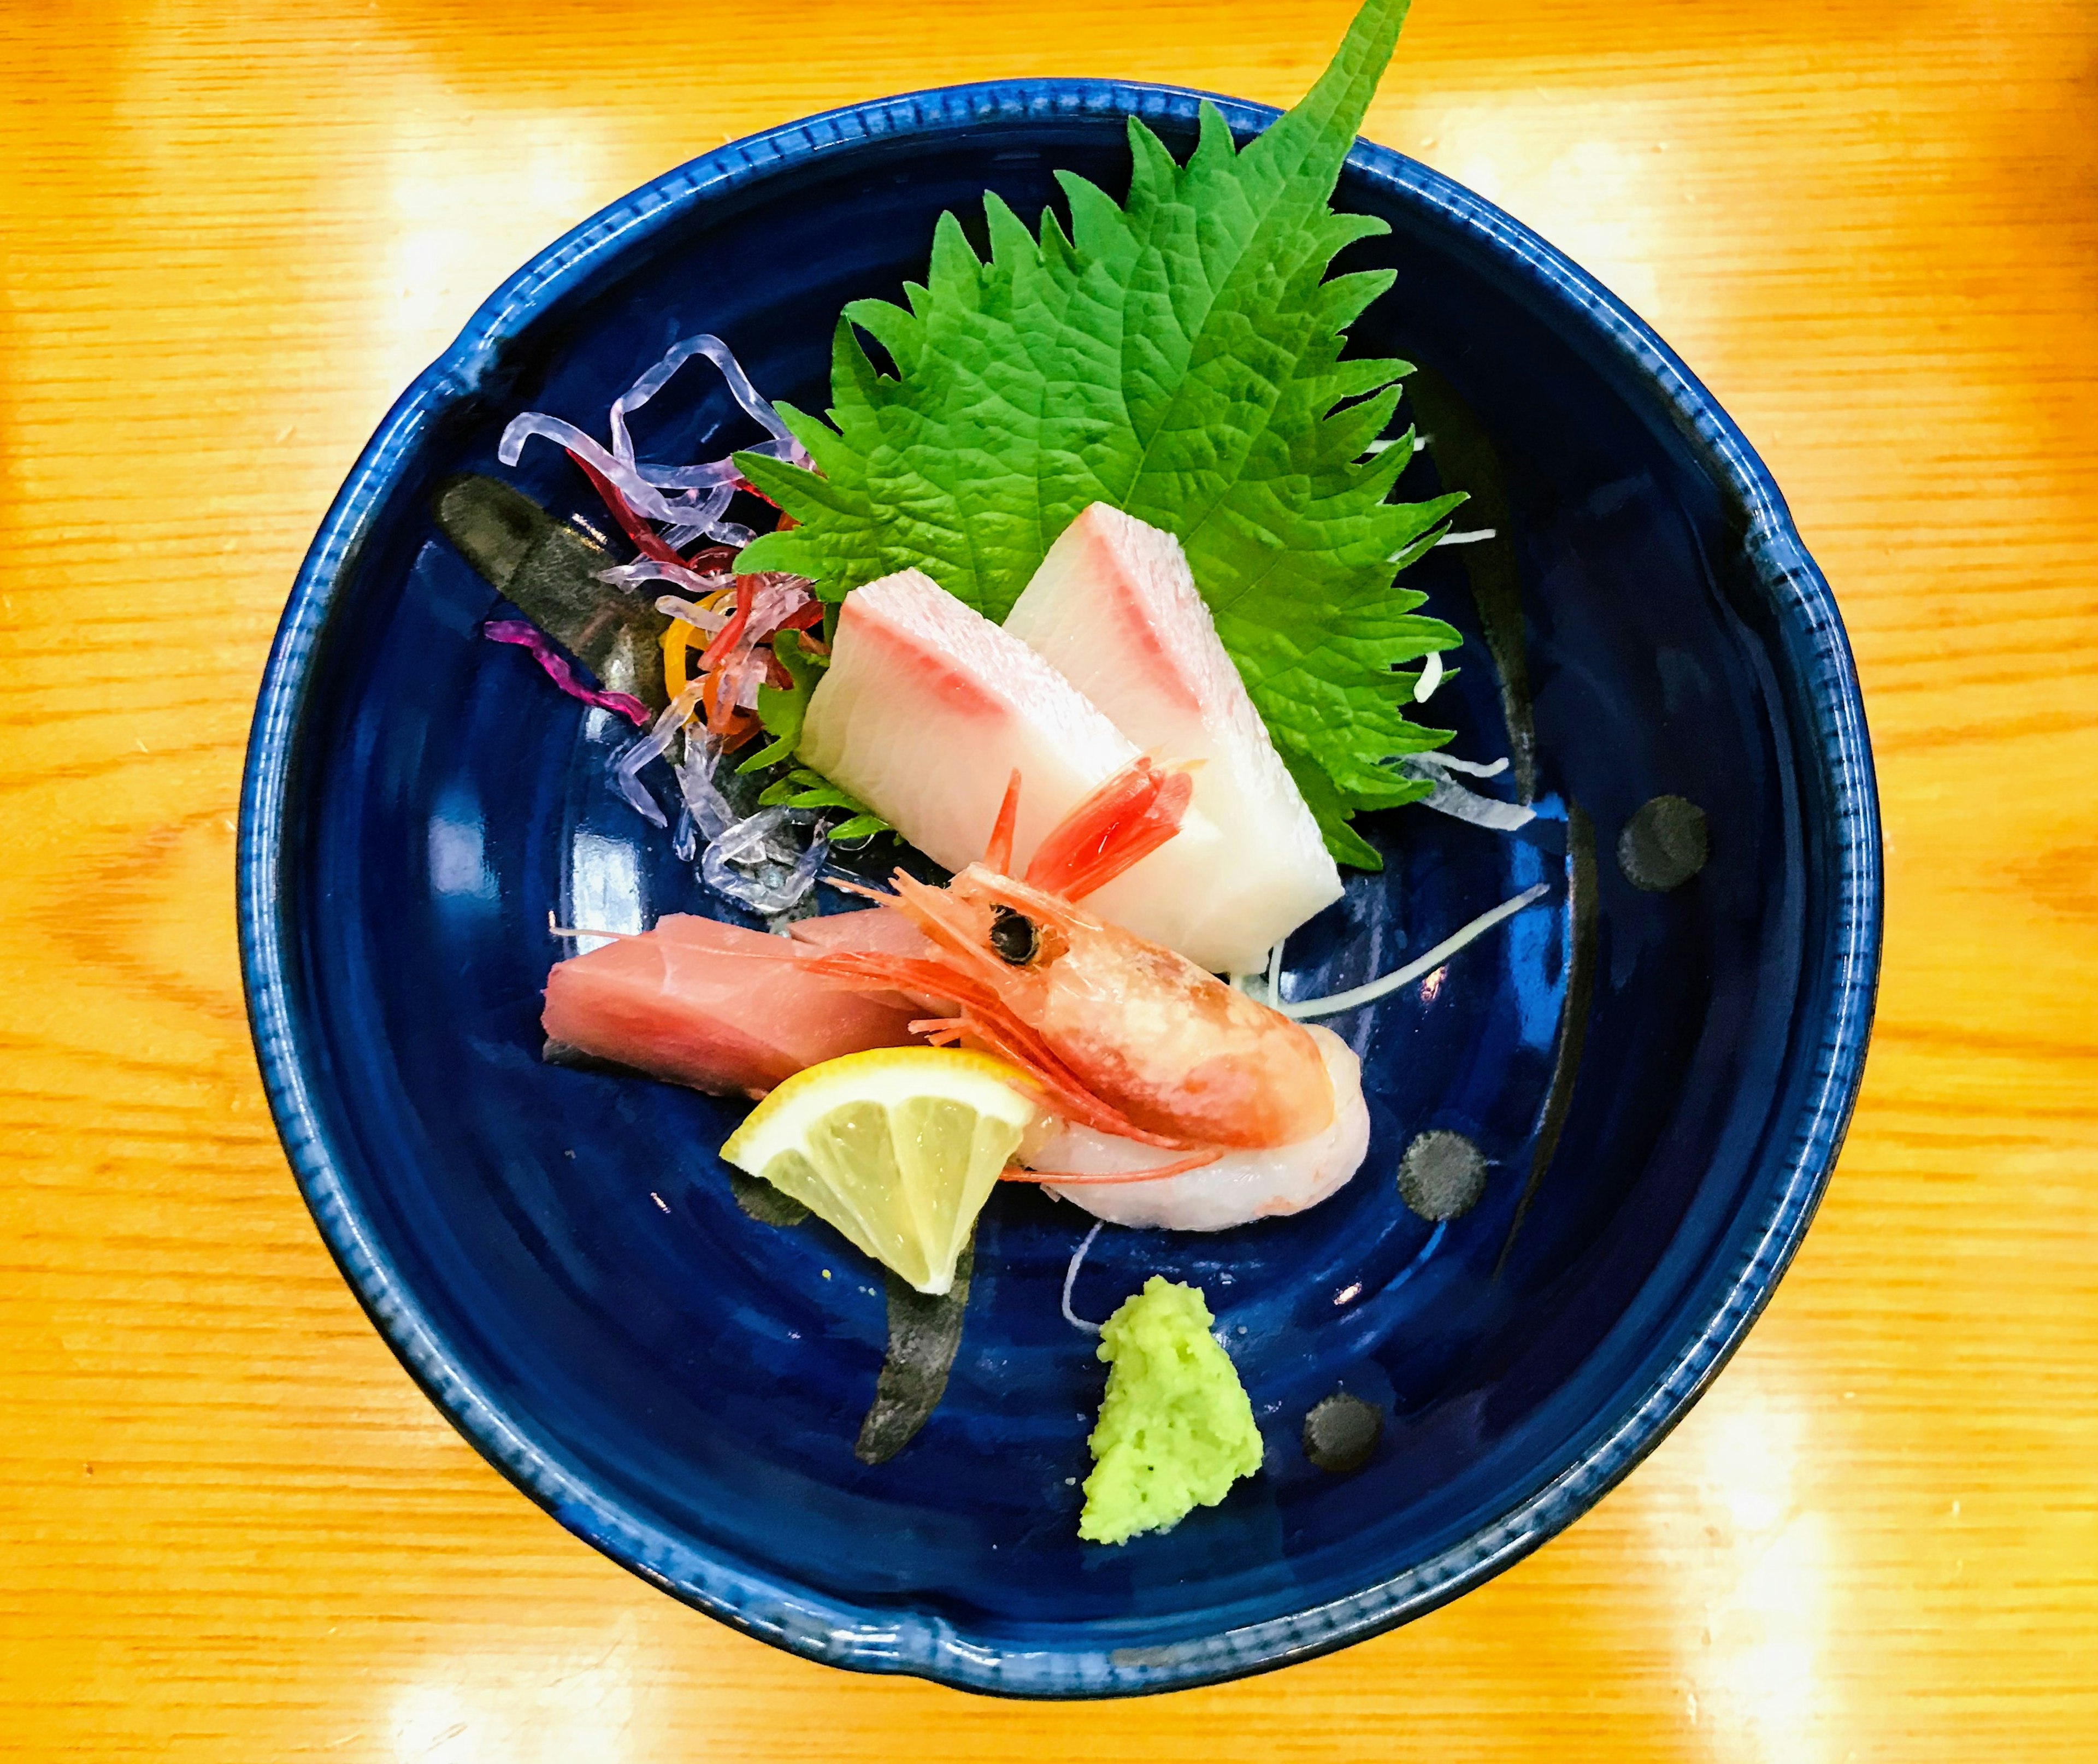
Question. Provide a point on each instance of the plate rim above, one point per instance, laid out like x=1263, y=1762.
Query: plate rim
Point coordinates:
x=918, y=1642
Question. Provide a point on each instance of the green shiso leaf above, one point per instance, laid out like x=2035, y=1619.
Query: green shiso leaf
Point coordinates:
x=1177, y=356
x=801, y=788
x=782, y=708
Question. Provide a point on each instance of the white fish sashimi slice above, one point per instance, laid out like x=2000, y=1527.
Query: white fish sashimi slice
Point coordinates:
x=1239, y=1186
x=1114, y=609
x=926, y=711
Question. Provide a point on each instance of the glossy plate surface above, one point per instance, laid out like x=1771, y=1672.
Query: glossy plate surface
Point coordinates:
x=1659, y=1080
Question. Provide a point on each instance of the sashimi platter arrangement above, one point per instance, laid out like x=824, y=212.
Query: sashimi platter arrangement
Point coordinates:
x=1015, y=749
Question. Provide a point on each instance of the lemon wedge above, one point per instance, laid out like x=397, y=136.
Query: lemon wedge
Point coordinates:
x=898, y=1148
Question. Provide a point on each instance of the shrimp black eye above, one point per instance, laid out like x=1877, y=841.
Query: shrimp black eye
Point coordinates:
x=1013, y=937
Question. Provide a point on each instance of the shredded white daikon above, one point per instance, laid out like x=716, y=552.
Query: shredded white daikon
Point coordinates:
x=645, y=569
x=1302, y=1009
x=1071, y=1279
x=761, y=861
x=1446, y=796
x=652, y=746
x=1445, y=762
x=671, y=607
x=706, y=487
x=753, y=403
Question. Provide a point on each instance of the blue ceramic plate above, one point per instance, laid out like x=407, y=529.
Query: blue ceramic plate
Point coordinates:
x=1657, y=1078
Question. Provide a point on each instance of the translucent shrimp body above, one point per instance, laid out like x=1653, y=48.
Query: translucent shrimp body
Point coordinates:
x=1174, y=1050
x=1164, y=1077
x=1234, y=1189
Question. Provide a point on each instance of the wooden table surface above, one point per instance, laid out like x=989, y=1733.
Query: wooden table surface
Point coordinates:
x=231, y=1529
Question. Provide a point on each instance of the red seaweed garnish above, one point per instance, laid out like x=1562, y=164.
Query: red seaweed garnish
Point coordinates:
x=727, y=638
x=643, y=536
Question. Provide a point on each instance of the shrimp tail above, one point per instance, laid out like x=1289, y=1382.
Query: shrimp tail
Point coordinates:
x=1119, y=824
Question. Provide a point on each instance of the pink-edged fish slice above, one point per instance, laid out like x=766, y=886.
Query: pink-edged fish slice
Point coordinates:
x=1114, y=608
x=714, y=1007
x=926, y=711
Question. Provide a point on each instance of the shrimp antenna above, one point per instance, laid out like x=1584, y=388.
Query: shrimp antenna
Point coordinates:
x=998, y=855
x=846, y=886
x=554, y=930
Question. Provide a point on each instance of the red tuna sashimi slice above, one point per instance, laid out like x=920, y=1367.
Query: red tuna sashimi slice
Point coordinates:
x=713, y=1006
x=1113, y=609
x=926, y=711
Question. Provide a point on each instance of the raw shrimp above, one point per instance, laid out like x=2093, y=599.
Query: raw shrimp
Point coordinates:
x=1121, y=1037
x=1234, y=1187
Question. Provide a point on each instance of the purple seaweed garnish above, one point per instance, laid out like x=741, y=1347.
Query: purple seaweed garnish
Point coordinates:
x=561, y=673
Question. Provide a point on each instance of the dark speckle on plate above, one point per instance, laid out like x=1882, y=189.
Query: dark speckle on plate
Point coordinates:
x=1342, y=1432
x=1664, y=844
x=1442, y=1175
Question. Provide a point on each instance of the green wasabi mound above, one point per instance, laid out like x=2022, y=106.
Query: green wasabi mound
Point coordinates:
x=1176, y=1429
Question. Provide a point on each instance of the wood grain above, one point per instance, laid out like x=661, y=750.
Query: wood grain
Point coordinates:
x=231, y=1529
